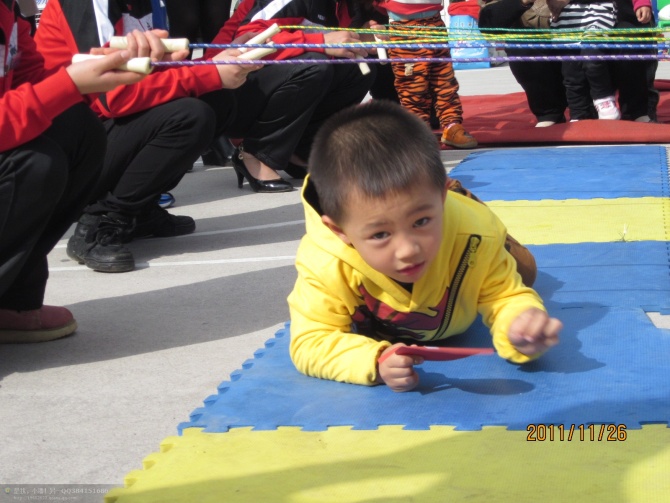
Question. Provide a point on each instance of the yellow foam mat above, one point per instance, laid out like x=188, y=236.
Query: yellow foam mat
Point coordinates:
x=389, y=465
x=586, y=220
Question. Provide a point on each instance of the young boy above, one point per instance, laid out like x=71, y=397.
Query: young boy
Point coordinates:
x=389, y=259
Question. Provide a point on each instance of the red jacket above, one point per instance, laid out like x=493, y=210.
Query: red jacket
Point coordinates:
x=30, y=98
x=57, y=43
x=299, y=15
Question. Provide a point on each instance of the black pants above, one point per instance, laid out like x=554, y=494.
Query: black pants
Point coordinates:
x=578, y=88
x=44, y=184
x=632, y=78
x=635, y=79
x=383, y=88
x=280, y=107
x=149, y=152
x=542, y=81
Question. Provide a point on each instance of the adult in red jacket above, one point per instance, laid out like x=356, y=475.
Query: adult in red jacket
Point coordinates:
x=51, y=151
x=298, y=97
x=155, y=131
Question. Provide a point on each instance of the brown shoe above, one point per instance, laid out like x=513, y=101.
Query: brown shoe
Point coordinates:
x=456, y=136
x=525, y=262
x=38, y=325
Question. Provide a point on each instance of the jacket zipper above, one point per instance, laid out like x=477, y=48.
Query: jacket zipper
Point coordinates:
x=467, y=260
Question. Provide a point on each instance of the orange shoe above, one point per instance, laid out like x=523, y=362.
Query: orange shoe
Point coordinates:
x=456, y=136
x=37, y=325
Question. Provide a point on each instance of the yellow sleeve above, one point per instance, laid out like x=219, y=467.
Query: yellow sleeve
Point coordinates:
x=502, y=298
x=322, y=344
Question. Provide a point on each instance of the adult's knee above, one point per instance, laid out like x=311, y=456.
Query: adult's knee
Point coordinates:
x=79, y=127
x=39, y=167
x=191, y=120
x=194, y=114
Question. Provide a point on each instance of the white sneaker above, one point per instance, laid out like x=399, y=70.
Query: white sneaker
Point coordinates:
x=607, y=109
x=644, y=118
x=545, y=124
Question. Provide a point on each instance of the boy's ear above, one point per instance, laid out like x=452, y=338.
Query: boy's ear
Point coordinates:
x=336, y=229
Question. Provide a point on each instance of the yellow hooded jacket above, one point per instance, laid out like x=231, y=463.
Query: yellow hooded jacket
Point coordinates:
x=345, y=313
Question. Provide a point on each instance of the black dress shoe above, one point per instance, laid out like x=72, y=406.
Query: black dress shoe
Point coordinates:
x=275, y=185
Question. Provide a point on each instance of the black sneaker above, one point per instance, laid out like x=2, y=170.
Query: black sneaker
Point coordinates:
x=84, y=234
x=98, y=243
x=156, y=221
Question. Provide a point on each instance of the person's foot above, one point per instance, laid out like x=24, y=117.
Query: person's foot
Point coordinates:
x=261, y=177
x=607, y=108
x=257, y=169
x=156, y=221
x=166, y=200
x=545, y=124
x=98, y=241
x=456, y=136
x=37, y=325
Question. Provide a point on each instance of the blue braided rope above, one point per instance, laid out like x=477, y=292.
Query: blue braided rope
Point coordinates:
x=501, y=59
x=451, y=45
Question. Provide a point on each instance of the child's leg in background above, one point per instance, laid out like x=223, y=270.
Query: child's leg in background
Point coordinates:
x=631, y=80
x=444, y=85
x=418, y=83
x=411, y=79
x=577, y=91
x=602, y=86
x=592, y=20
x=598, y=76
x=542, y=81
x=652, y=93
x=634, y=79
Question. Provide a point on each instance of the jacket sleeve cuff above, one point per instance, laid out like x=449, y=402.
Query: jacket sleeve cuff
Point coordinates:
x=57, y=93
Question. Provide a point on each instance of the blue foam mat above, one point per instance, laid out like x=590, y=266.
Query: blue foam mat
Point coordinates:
x=572, y=173
x=624, y=274
x=611, y=367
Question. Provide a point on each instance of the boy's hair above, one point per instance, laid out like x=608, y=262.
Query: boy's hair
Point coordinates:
x=377, y=149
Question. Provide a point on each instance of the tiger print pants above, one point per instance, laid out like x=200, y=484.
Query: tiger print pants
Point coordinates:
x=423, y=85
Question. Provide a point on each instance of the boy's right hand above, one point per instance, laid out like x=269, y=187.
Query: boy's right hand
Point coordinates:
x=397, y=371
x=101, y=75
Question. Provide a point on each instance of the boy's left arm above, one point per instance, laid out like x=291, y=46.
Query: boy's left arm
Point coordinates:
x=521, y=328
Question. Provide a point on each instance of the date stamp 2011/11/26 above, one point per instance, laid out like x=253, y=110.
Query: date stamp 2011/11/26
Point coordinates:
x=576, y=432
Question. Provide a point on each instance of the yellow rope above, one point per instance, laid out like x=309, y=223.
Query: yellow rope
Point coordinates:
x=428, y=35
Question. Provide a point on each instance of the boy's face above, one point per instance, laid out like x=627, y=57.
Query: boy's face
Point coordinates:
x=398, y=235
